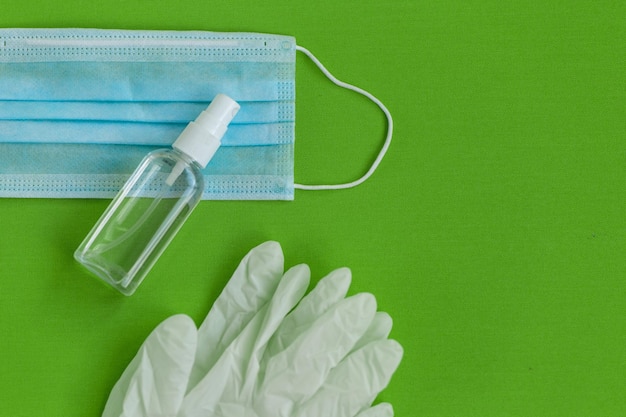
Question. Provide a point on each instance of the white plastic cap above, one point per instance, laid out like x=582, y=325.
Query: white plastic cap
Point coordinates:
x=202, y=137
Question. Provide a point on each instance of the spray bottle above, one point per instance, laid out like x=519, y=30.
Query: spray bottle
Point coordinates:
x=154, y=203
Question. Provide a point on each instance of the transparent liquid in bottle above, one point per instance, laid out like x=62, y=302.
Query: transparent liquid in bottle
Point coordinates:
x=142, y=219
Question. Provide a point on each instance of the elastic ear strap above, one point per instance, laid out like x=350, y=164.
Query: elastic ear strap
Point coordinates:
x=376, y=101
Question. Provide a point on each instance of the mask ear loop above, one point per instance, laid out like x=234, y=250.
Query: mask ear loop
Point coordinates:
x=376, y=101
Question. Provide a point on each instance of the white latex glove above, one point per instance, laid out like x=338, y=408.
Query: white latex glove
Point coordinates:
x=328, y=357
x=176, y=354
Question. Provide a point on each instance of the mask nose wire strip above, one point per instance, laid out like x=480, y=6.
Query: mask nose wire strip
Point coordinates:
x=376, y=101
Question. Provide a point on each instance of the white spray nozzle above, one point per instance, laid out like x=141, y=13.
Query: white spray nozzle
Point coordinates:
x=202, y=137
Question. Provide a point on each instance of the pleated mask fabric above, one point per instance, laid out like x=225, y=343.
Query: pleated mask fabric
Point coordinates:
x=80, y=108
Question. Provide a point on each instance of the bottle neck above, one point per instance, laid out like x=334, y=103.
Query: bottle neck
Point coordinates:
x=184, y=161
x=186, y=158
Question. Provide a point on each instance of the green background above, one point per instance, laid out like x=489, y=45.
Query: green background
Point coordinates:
x=494, y=232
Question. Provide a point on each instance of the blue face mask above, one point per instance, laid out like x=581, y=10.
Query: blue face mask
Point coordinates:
x=80, y=108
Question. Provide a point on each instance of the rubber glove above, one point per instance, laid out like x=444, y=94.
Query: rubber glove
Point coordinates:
x=176, y=354
x=329, y=357
x=248, y=348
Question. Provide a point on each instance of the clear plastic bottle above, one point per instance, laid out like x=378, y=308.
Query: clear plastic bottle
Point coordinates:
x=154, y=203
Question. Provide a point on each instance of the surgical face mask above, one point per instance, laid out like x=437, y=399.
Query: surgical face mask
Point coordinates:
x=79, y=108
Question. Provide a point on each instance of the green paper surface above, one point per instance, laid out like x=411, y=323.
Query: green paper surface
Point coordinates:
x=494, y=232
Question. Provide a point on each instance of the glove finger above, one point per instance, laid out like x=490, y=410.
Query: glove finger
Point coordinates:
x=300, y=370
x=328, y=292
x=234, y=376
x=290, y=291
x=154, y=382
x=379, y=410
x=252, y=285
x=355, y=382
x=379, y=329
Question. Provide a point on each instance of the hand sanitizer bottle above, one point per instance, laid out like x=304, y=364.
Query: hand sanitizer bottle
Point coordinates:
x=155, y=202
